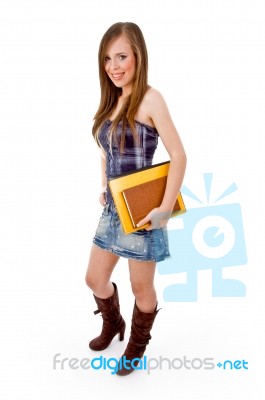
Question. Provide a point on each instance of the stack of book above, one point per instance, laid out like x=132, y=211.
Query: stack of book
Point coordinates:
x=136, y=193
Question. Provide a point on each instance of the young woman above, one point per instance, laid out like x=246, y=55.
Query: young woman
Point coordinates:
x=130, y=117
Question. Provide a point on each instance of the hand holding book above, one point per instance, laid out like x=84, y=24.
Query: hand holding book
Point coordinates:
x=157, y=218
x=138, y=196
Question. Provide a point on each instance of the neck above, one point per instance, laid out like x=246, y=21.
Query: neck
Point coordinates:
x=125, y=92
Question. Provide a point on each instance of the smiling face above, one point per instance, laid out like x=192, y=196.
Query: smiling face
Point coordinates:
x=120, y=64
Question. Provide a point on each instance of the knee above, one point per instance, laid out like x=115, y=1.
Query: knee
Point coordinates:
x=140, y=289
x=91, y=281
x=96, y=284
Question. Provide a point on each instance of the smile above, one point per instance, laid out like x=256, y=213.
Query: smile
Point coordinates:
x=117, y=76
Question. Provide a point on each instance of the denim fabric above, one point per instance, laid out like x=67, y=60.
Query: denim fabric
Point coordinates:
x=141, y=245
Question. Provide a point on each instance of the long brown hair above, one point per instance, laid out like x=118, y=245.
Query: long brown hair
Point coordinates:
x=110, y=93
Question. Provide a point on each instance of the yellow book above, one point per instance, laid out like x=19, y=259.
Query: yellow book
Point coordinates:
x=136, y=193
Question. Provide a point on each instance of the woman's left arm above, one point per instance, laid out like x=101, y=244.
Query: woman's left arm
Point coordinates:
x=159, y=113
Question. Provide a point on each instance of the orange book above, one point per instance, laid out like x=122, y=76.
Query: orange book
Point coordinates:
x=136, y=193
x=141, y=199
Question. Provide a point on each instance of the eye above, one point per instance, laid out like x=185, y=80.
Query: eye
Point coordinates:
x=122, y=57
x=106, y=58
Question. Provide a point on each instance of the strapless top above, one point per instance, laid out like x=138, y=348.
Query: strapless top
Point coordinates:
x=133, y=157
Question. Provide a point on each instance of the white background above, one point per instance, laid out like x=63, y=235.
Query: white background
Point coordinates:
x=207, y=59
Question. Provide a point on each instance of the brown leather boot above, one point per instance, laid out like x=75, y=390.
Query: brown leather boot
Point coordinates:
x=140, y=335
x=113, y=322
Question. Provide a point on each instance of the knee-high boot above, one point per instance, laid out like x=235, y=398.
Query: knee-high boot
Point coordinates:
x=113, y=323
x=140, y=335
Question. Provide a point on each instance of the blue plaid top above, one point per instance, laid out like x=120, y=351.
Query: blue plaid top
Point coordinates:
x=133, y=157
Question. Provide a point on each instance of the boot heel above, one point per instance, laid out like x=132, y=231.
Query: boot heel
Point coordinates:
x=113, y=322
x=121, y=335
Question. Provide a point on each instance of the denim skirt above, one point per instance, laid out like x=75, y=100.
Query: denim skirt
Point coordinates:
x=141, y=245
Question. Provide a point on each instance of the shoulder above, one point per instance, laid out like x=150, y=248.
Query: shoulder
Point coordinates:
x=152, y=96
x=154, y=103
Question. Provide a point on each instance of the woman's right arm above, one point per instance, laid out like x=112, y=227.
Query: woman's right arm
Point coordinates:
x=102, y=196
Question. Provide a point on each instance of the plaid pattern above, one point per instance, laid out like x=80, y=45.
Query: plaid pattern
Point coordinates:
x=133, y=157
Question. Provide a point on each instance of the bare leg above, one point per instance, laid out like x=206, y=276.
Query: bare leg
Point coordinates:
x=99, y=270
x=142, y=281
x=100, y=267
